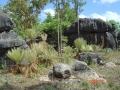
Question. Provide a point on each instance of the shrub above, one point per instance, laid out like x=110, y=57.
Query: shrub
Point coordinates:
x=81, y=44
x=16, y=55
x=30, y=55
x=31, y=34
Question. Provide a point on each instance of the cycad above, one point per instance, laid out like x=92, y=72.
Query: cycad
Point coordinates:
x=16, y=55
x=80, y=44
x=30, y=55
x=44, y=38
x=38, y=47
x=47, y=56
x=31, y=34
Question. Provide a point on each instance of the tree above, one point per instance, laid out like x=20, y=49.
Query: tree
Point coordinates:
x=24, y=12
x=117, y=24
x=62, y=8
x=78, y=8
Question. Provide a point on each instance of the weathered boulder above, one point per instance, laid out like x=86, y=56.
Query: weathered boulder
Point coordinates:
x=62, y=70
x=111, y=41
x=90, y=57
x=6, y=23
x=93, y=31
x=79, y=70
x=118, y=37
x=79, y=65
x=10, y=40
x=83, y=71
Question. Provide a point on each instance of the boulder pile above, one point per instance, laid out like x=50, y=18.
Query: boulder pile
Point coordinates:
x=8, y=38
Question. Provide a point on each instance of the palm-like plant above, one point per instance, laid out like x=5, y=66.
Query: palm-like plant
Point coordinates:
x=79, y=42
x=67, y=49
x=44, y=38
x=16, y=55
x=38, y=47
x=48, y=56
x=31, y=34
x=30, y=55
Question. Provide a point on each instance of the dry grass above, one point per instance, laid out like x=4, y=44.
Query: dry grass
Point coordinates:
x=111, y=74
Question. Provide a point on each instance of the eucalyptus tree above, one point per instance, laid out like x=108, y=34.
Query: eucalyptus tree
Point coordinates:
x=78, y=4
x=64, y=15
x=24, y=12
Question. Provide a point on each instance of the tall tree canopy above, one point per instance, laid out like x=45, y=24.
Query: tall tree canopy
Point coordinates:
x=24, y=12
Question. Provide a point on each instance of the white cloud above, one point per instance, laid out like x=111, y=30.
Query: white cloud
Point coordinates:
x=82, y=16
x=109, y=1
x=105, y=1
x=94, y=1
x=49, y=10
x=108, y=15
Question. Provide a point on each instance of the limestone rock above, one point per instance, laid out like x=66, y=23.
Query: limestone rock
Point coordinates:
x=6, y=23
x=79, y=65
x=62, y=70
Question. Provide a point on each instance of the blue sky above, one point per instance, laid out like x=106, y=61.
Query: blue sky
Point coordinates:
x=104, y=9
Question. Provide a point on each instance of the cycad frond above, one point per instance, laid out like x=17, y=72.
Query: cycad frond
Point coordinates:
x=16, y=55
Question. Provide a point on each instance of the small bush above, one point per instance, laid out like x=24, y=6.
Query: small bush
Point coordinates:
x=16, y=55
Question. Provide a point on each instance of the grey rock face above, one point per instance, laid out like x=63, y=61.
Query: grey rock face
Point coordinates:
x=111, y=40
x=91, y=57
x=87, y=73
x=93, y=31
x=6, y=23
x=10, y=39
x=81, y=70
x=62, y=70
x=79, y=65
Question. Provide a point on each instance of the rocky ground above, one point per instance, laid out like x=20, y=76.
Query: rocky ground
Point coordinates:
x=8, y=81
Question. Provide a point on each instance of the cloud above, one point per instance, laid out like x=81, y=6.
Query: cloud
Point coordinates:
x=109, y=1
x=105, y=1
x=108, y=15
x=49, y=10
x=94, y=1
x=83, y=16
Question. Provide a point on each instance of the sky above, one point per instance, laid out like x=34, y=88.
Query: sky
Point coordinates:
x=104, y=9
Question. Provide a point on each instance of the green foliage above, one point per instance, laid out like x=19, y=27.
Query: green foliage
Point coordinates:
x=4, y=66
x=38, y=48
x=30, y=55
x=24, y=12
x=96, y=48
x=16, y=55
x=117, y=24
x=31, y=34
x=81, y=44
x=107, y=50
x=67, y=49
x=48, y=56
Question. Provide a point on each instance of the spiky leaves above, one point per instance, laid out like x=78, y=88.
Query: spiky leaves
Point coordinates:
x=81, y=44
x=38, y=48
x=16, y=55
x=31, y=34
x=30, y=55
